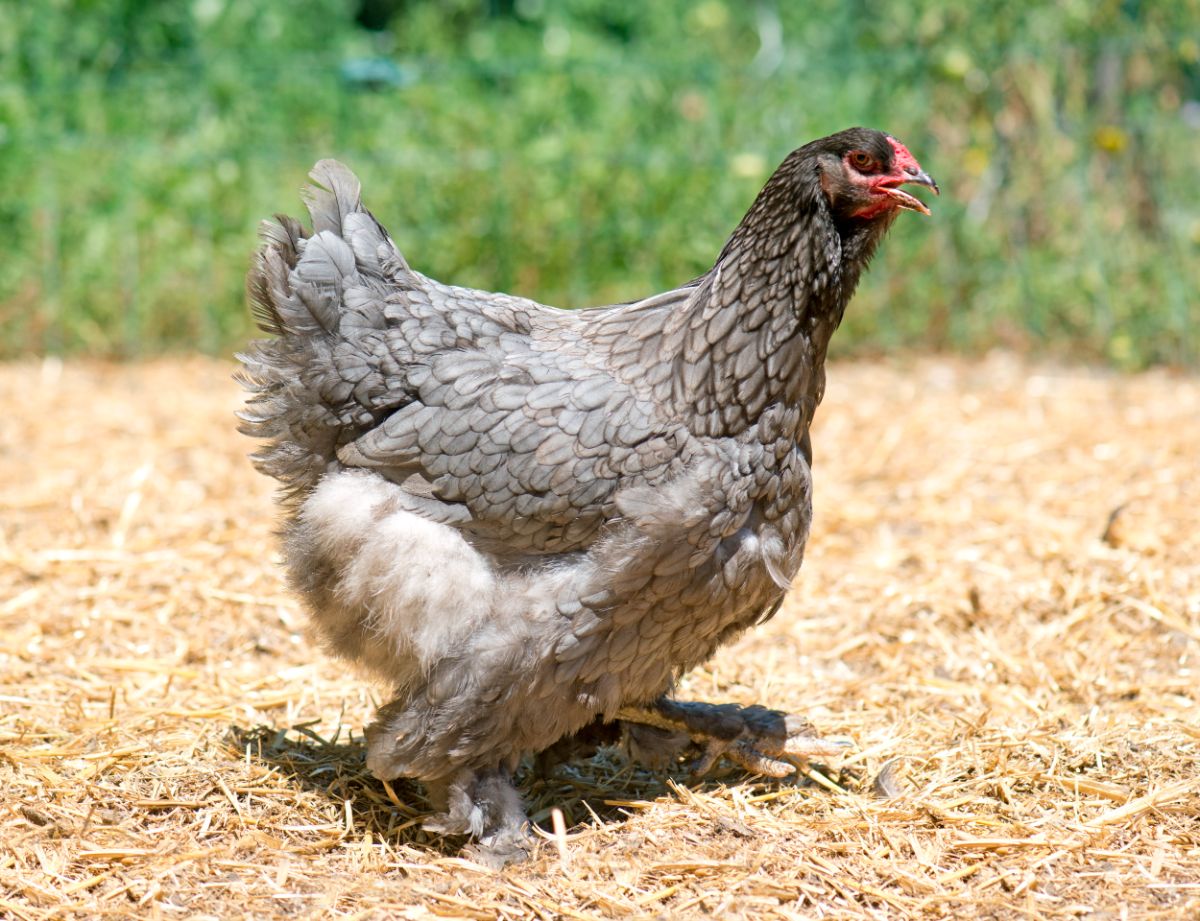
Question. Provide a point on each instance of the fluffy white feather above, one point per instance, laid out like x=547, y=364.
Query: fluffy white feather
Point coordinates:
x=424, y=588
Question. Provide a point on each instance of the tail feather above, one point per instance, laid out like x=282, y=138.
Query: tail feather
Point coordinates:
x=335, y=194
x=286, y=234
x=283, y=241
x=296, y=287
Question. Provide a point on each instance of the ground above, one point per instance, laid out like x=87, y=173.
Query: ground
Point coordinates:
x=1000, y=608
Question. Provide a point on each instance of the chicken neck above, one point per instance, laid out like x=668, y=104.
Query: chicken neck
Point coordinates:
x=757, y=330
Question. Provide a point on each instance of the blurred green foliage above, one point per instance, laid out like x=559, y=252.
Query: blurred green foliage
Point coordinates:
x=584, y=152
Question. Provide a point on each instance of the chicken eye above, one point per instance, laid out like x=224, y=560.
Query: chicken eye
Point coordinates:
x=862, y=161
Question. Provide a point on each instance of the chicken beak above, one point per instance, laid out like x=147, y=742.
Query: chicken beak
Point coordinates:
x=923, y=178
x=911, y=202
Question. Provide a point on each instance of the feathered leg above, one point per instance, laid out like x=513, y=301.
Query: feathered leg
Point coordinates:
x=486, y=806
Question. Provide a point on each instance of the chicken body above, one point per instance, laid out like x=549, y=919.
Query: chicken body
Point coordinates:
x=522, y=518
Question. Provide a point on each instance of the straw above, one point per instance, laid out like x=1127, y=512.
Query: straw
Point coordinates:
x=1000, y=606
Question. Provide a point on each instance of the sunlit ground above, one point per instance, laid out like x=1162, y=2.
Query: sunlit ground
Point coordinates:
x=1000, y=605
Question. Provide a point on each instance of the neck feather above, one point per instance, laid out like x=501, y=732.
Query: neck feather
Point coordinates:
x=757, y=329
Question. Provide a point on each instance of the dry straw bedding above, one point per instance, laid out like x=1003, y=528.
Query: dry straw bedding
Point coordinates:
x=1000, y=606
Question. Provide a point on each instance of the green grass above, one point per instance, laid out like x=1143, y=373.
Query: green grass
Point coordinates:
x=589, y=152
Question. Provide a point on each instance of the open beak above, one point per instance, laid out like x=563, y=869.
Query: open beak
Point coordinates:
x=892, y=189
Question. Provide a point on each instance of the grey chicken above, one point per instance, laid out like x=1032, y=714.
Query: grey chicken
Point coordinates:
x=525, y=519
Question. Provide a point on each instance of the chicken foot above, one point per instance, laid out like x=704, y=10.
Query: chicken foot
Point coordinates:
x=757, y=739
x=484, y=805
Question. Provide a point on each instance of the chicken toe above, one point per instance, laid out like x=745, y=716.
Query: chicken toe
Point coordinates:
x=757, y=739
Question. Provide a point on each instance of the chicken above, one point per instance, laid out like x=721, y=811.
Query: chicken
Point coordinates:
x=525, y=519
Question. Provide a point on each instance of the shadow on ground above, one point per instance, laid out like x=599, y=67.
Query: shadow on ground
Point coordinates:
x=591, y=782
